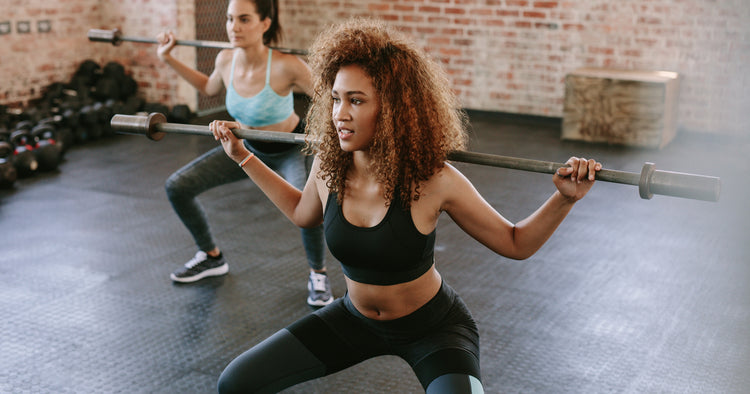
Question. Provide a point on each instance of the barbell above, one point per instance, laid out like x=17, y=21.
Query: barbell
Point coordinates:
x=116, y=38
x=650, y=181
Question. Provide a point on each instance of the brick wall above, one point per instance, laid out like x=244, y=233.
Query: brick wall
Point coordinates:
x=502, y=55
x=31, y=60
x=512, y=55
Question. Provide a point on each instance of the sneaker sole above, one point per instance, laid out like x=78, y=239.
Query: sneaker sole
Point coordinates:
x=218, y=271
x=312, y=302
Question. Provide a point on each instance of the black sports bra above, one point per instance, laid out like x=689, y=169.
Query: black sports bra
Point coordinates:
x=391, y=252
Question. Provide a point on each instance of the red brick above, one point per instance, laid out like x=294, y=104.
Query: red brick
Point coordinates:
x=632, y=52
x=493, y=22
x=481, y=11
x=413, y=18
x=439, y=20
x=378, y=7
x=403, y=8
x=507, y=13
x=573, y=26
x=434, y=41
x=545, y=4
x=464, y=21
x=426, y=30
x=430, y=9
x=534, y=14
x=649, y=20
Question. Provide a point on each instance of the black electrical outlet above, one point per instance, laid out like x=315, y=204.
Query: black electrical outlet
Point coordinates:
x=44, y=26
x=23, y=27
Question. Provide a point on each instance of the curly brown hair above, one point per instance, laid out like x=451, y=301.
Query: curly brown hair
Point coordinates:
x=420, y=120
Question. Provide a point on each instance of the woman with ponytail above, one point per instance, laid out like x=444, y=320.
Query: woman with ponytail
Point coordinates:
x=259, y=84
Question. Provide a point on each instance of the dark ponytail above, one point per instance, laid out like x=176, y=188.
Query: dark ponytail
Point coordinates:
x=270, y=9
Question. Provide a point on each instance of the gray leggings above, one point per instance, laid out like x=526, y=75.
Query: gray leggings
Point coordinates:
x=439, y=341
x=214, y=168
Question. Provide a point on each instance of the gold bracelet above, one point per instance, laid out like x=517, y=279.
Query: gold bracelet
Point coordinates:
x=245, y=160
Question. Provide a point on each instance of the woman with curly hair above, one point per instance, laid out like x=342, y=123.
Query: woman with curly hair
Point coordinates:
x=382, y=122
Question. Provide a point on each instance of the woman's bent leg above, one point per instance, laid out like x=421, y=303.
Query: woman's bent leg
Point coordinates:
x=309, y=348
x=212, y=169
x=278, y=362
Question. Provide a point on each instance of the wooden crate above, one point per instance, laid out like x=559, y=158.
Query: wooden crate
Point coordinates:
x=624, y=107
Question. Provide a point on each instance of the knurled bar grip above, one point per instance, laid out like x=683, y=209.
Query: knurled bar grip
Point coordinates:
x=650, y=181
x=116, y=38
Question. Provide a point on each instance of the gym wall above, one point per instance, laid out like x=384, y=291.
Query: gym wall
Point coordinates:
x=503, y=55
x=31, y=60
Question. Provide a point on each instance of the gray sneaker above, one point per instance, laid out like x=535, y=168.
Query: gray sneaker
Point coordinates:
x=320, y=290
x=199, y=267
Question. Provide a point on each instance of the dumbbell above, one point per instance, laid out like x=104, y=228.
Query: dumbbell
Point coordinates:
x=23, y=156
x=47, y=150
x=89, y=124
x=8, y=172
x=4, y=134
x=63, y=133
x=26, y=125
x=133, y=104
x=106, y=88
x=180, y=113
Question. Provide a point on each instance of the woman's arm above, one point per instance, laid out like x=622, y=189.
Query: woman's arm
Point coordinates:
x=301, y=75
x=304, y=208
x=519, y=241
x=208, y=85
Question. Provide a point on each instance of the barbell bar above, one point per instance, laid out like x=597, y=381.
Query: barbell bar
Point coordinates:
x=116, y=38
x=650, y=181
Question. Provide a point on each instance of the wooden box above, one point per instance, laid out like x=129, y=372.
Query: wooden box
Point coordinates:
x=624, y=107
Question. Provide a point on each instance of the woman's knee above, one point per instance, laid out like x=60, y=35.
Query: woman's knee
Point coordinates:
x=278, y=362
x=173, y=185
x=181, y=186
x=227, y=385
x=455, y=383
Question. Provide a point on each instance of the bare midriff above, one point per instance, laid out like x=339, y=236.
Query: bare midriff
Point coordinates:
x=394, y=301
x=286, y=126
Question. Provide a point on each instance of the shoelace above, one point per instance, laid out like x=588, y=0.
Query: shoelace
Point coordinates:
x=197, y=259
x=318, y=282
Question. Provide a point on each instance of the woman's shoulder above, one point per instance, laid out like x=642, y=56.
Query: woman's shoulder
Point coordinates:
x=292, y=67
x=287, y=60
x=446, y=173
x=444, y=178
x=224, y=58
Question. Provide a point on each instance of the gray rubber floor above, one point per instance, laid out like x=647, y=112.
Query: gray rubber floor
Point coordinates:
x=629, y=295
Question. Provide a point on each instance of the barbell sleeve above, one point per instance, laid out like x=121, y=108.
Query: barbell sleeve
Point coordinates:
x=650, y=181
x=116, y=38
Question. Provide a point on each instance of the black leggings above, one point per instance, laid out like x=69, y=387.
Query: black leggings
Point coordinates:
x=439, y=341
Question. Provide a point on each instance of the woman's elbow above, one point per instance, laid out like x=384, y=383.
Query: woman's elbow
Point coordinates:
x=518, y=254
x=311, y=224
x=306, y=222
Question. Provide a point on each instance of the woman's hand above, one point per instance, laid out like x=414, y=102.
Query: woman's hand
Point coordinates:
x=166, y=41
x=233, y=146
x=574, y=181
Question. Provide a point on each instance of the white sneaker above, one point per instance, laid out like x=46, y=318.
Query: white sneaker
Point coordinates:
x=320, y=290
x=199, y=267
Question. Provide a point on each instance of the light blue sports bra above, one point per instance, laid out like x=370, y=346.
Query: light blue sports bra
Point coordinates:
x=263, y=109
